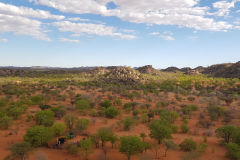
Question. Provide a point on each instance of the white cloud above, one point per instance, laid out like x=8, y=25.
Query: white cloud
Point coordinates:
x=22, y=26
x=3, y=40
x=69, y=40
x=91, y=29
x=183, y=13
x=168, y=32
x=78, y=19
x=167, y=37
x=223, y=7
x=8, y=9
x=154, y=33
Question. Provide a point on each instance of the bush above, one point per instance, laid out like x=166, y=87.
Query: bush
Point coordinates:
x=70, y=120
x=38, y=135
x=233, y=151
x=5, y=122
x=73, y=149
x=128, y=122
x=82, y=104
x=58, y=129
x=82, y=125
x=187, y=110
x=188, y=145
x=15, y=112
x=215, y=112
x=202, y=147
x=111, y=112
x=37, y=100
x=184, y=128
x=45, y=117
x=59, y=112
x=169, y=116
x=3, y=102
x=106, y=104
x=19, y=150
x=44, y=107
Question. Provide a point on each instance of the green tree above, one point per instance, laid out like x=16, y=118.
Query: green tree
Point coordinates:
x=70, y=121
x=38, y=135
x=188, y=145
x=226, y=133
x=58, y=129
x=104, y=134
x=131, y=145
x=86, y=145
x=45, y=117
x=169, y=145
x=160, y=130
x=82, y=124
x=20, y=150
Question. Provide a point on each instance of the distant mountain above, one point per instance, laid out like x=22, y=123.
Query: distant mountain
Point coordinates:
x=226, y=70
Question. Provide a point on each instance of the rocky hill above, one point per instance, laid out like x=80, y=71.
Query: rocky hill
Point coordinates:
x=225, y=70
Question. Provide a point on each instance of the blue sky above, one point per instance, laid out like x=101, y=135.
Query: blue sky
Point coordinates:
x=73, y=33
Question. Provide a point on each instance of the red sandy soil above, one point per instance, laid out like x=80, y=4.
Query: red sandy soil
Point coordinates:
x=113, y=154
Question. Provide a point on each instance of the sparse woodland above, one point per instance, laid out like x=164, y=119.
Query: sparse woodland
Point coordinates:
x=119, y=114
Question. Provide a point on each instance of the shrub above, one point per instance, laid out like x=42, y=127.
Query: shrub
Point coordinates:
x=188, y=145
x=233, y=151
x=59, y=112
x=3, y=102
x=106, y=104
x=111, y=112
x=128, y=122
x=82, y=124
x=215, y=112
x=190, y=98
x=117, y=102
x=82, y=104
x=73, y=149
x=184, y=128
x=19, y=150
x=37, y=100
x=162, y=104
x=70, y=120
x=202, y=147
x=58, y=129
x=38, y=135
x=45, y=117
x=169, y=116
x=44, y=107
x=15, y=112
x=5, y=122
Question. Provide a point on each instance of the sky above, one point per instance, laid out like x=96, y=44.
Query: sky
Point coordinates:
x=162, y=33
